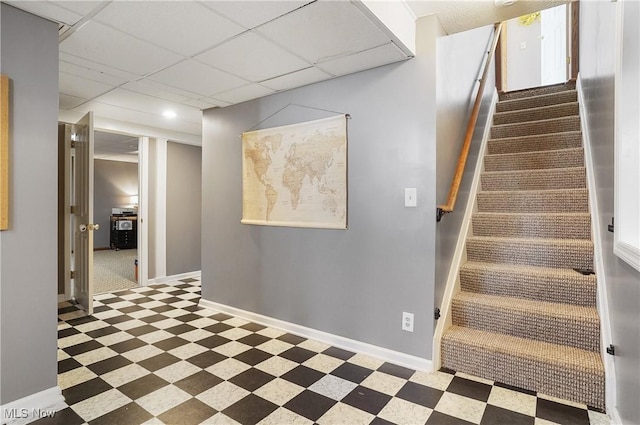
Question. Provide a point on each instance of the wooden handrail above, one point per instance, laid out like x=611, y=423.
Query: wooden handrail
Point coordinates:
x=462, y=160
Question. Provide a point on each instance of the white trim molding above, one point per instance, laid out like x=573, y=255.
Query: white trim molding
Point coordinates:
x=164, y=279
x=33, y=407
x=391, y=356
x=602, y=298
x=460, y=254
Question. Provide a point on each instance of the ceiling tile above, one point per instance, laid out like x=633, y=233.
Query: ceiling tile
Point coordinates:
x=91, y=74
x=368, y=59
x=83, y=7
x=252, y=57
x=202, y=105
x=152, y=105
x=66, y=101
x=197, y=78
x=296, y=79
x=184, y=27
x=84, y=63
x=215, y=102
x=307, y=31
x=154, y=89
x=253, y=13
x=102, y=44
x=241, y=94
x=47, y=10
x=81, y=87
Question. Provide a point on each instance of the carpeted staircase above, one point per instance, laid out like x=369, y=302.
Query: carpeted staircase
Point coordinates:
x=524, y=316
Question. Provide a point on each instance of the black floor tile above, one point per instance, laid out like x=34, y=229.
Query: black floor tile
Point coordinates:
x=101, y=309
x=153, y=318
x=420, y=394
x=83, y=347
x=254, y=339
x=107, y=365
x=63, y=417
x=118, y=319
x=395, y=370
x=253, y=327
x=437, y=418
x=309, y=404
x=303, y=376
x=128, y=345
x=85, y=390
x=338, y=353
x=67, y=332
x=253, y=356
x=111, y=300
x=188, y=317
x=496, y=415
x=170, y=343
x=191, y=412
x=469, y=388
x=130, y=309
x=198, y=382
x=68, y=364
x=206, y=359
x=171, y=300
x=218, y=328
x=292, y=339
x=251, y=379
x=367, y=399
x=512, y=388
x=141, y=330
x=142, y=386
x=103, y=332
x=65, y=310
x=250, y=410
x=561, y=413
x=297, y=354
x=181, y=329
x=352, y=372
x=380, y=421
x=221, y=317
x=188, y=280
x=213, y=341
x=129, y=414
x=163, y=308
x=158, y=362
x=446, y=370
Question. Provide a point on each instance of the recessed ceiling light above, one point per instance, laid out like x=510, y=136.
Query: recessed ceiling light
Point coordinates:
x=169, y=114
x=503, y=3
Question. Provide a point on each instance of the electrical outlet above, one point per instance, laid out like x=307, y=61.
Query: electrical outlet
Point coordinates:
x=407, y=321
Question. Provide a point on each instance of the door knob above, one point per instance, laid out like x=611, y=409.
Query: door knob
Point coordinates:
x=93, y=226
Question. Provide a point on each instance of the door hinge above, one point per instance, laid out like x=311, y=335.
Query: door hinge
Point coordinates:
x=568, y=60
x=611, y=350
x=72, y=210
x=610, y=226
x=72, y=274
x=436, y=313
x=73, y=144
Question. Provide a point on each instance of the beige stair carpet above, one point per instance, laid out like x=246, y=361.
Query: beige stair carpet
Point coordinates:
x=524, y=316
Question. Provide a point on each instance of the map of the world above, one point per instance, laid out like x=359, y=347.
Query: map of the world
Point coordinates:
x=296, y=175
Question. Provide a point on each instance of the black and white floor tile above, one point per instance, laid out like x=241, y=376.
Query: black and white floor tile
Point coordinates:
x=151, y=355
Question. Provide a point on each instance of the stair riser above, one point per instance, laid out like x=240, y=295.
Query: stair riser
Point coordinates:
x=524, y=226
x=557, y=125
x=576, y=385
x=538, y=101
x=582, y=334
x=536, y=114
x=579, y=291
x=513, y=202
x=537, y=143
x=538, y=91
x=567, y=255
x=573, y=178
x=535, y=160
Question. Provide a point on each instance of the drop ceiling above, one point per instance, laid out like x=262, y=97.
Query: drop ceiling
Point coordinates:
x=130, y=61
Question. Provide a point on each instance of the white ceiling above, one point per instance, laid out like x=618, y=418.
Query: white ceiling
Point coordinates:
x=115, y=147
x=130, y=61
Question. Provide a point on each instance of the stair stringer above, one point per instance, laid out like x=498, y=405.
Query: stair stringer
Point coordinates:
x=460, y=254
x=602, y=301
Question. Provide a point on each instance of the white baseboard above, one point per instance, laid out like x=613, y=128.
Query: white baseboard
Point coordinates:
x=190, y=275
x=614, y=416
x=391, y=356
x=33, y=407
x=602, y=299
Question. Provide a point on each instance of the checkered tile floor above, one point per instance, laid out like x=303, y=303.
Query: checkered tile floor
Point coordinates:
x=152, y=356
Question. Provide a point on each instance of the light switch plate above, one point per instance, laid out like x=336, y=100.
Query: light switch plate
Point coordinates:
x=410, y=197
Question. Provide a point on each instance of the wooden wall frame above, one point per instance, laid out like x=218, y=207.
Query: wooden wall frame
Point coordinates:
x=4, y=152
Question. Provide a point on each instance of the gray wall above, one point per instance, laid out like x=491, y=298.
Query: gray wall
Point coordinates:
x=597, y=66
x=457, y=76
x=28, y=250
x=151, y=207
x=184, y=208
x=357, y=282
x=114, y=184
x=523, y=65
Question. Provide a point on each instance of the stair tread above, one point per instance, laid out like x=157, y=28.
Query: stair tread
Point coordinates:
x=518, y=124
x=533, y=153
x=537, y=108
x=526, y=172
x=560, y=355
x=533, y=214
x=530, y=307
x=523, y=139
x=549, y=241
x=532, y=191
x=547, y=95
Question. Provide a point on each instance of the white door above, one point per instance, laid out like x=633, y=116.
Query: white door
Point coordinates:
x=554, y=45
x=82, y=142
